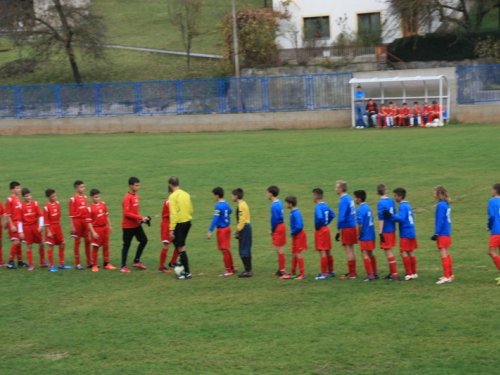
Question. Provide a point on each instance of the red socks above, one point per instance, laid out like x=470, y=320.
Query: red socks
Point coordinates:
x=61, y=256
x=393, y=267
x=29, y=255
x=446, y=267
x=95, y=253
x=301, y=266
x=352, y=267
x=87, y=253
x=228, y=260
x=368, y=266
x=19, y=253
x=294, y=266
x=407, y=264
x=76, y=251
x=105, y=253
x=41, y=252
x=451, y=265
x=496, y=260
x=324, y=265
x=163, y=258
x=330, y=263
x=51, y=257
x=282, y=262
x=175, y=255
x=374, y=264
x=13, y=252
x=413, y=265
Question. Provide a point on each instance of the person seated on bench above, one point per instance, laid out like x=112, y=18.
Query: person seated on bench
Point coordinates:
x=370, y=117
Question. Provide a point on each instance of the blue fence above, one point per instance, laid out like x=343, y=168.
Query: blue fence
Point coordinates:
x=255, y=94
x=479, y=84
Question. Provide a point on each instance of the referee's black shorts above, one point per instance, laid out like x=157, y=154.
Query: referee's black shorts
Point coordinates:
x=181, y=231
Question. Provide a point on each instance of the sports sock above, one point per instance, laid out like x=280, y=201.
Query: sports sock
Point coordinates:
x=41, y=253
x=294, y=266
x=393, y=266
x=282, y=262
x=61, y=256
x=29, y=255
x=413, y=264
x=231, y=261
x=226, y=255
x=175, y=255
x=50, y=254
x=352, y=267
x=496, y=260
x=330, y=263
x=446, y=267
x=407, y=264
x=19, y=253
x=301, y=266
x=105, y=254
x=450, y=264
x=368, y=266
x=324, y=265
x=124, y=255
x=247, y=262
x=184, y=260
x=163, y=258
x=13, y=252
x=87, y=252
x=95, y=254
x=373, y=260
x=76, y=251
x=1, y=254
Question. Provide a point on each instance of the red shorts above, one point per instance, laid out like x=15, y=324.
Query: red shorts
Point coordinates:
x=443, y=242
x=367, y=245
x=103, y=233
x=31, y=234
x=407, y=244
x=279, y=235
x=57, y=236
x=165, y=231
x=299, y=242
x=323, y=239
x=495, y=240
x=349, y=236
x=390, y=241
x=81, y=227
x=14, y=236
x=224, y=238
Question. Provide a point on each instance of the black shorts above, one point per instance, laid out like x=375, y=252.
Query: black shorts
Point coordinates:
x=181, y=231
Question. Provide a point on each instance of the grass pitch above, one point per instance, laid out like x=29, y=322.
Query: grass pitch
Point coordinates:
x=149, y=323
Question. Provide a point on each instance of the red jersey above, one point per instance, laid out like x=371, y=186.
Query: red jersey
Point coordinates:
x=78, y=206
x=14, y=209
x=416, y=110
x=405, y=111
x=165, y=214
x=97, y=214
x=384, y=112
x=52, y=214
x=131, y=217
x=1, y=209
x=437, y=108
x=390, y=112
x=427, y=109
x=31, y=213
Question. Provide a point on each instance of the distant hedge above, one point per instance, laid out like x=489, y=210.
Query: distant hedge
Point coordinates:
x=439, y=46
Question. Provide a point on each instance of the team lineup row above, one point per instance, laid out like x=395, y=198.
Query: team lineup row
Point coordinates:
x=26, y=222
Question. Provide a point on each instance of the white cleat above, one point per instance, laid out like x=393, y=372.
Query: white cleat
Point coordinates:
x=408, y=277
x=444, y=280
x=414, y=276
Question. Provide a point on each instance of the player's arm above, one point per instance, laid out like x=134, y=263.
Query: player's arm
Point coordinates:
x=491, y=216
x=72, y=215
x=215, y=219
x=108, y=221
x=242, y=219
x=402, y=215
x=274, y=217
x=47, y=221
x=318, y=218
x=127, y=211
x=343, y=207
x=295, y=226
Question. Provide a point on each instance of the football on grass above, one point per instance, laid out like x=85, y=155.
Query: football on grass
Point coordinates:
x=179, y=269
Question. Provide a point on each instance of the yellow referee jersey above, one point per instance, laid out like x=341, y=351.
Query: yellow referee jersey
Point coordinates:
x=243, y=215
x=181, y=208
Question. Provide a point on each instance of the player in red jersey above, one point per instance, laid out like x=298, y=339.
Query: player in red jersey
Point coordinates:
x=405, y=117
x=14, y=218
x=53, y=231
x=165, y=234
x=3, y=224
x=78, y=225
x=427, y=114
x=416, y=115
x=437, y=109
x=382, y=116
x=391, y=112
x=100, y=228
x=396, y=114
x=32, y=228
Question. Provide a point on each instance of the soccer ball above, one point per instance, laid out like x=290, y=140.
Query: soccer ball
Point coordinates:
x=428, y=125
x=179, y=269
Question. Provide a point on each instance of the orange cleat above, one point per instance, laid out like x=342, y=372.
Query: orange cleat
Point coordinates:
x=109, y=266
x=95, y=269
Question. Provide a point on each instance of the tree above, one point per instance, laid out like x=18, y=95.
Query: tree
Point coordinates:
x=185, y=14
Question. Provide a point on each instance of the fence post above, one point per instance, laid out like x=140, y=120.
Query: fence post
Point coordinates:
x=309, y=93
x=58, y=100
x=19, y=102
x=264, y=87
x=458, y=84
x=138, y=98
x=97, y=98
x=221, y=84
x=179, y=100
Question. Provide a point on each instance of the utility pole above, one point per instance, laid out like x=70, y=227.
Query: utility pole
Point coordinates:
x=235, y=42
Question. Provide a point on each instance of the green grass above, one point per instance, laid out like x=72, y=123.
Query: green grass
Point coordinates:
x=148, y=323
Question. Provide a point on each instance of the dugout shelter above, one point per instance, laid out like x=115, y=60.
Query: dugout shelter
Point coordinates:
x=404, y=89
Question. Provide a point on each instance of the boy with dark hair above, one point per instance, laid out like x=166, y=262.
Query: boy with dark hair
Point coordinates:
x=416, y=114
x=3, y=224
x=165, y=234
x=222, y=222
x=78, y=224
x=442, y=232
x=53, y=231
x=427, y=114
x=407, y=234
x=32, y=228
x=366, y=230
x=14, y=218
x=299, y=239
x=131, y=226
x=346, y=228
x=99, y=228
x=243, y=232
x=387, y=230
x=323, y=216
x=359, y=96
x=493, y=226
x=278, y=230
x=405, y=115
x=370, y=117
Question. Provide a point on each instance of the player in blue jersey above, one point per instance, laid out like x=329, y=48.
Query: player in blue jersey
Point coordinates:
x=346, y=228
x=494, y=226
x=366, y=230
x=407, y=233
x=299, y=239
x=278, y=230
x=222, y=222
x=387, y=230
x=442, y=232
x=323, y=216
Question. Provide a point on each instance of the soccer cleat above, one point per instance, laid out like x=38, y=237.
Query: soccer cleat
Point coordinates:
x=392, y=278
x=294, y=276
x=31, y=268
x=389, y=277
x=124, y=269
x=300, y=277
x=64, y=267
x=369, y=278
x=452, y=277
x=109, y=266
x=139, y=265
x=11, y=265
x=4, y=265
x=286, y=277
x=171, y=265
x=246, y=274
x=80, y=267
x=321, y=277
x=226, y=273
x=408, y=277
x=279, y=273
x=53, y=269
x=184, y=276
x=95, y=269
x=348, y=276
x=165, y=270
x=46, y=264
x=90, y=265
x=376, y=276
x=21, y=264
x=331, y=274
x=498, y=280
x=443, y=280
x=414, y=276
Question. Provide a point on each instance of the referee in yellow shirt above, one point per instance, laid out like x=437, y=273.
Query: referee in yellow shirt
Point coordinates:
x=181, y=211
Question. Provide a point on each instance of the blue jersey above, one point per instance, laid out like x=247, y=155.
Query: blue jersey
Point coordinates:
x=347, y=213
x=221, y=216
x=405, y=220
x=364, y=217
x=323, y=215
x=443, y=219
x=296, y=223
x=389, y=205
x=277, y=214
x=494, y=215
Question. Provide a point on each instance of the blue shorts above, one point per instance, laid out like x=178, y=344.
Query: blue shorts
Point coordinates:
x=245, y=242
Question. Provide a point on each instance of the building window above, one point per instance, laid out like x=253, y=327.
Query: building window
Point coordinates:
x=369, y=28
x=317, y=27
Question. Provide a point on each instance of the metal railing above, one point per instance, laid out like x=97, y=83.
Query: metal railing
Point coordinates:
x=478, y=84
x=254, y=94
x=308, y=55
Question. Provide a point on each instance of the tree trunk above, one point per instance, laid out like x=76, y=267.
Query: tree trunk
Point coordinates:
x=74, y=65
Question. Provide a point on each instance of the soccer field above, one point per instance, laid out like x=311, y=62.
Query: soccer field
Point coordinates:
x=79, y=322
